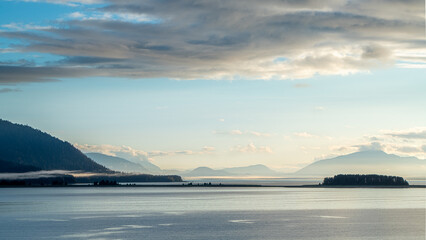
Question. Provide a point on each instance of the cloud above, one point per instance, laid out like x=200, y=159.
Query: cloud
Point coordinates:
x=170, y=153
x=24, y=27
x=108, y=16
x=208, y=149
x=260, y=134
x=251, y=148
x=20, y=62
x=227, y=39
x=419, y=134
x=204, y=150
x=374, y=138
x=136, y=155
x=6, y=90
x=21, y=74
x=76, y=15
x=304, y=135
x=72, y=3
x=237, y=132
x=343, y=148
x=408, y=149
x=117, y=151
x=409, y=142
x=373, y=146
x=301, y=85
x=375, y=52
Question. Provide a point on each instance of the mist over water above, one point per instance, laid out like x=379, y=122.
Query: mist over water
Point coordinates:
x=212, y=213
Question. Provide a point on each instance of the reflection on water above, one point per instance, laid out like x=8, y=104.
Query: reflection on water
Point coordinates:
x=212, y=213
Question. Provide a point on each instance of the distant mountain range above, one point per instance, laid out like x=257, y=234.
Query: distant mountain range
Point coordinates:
x=366, y=162
x=23, y=148
x=117, y=163
x=124, y=165
x=205, y=172
x=253, y=170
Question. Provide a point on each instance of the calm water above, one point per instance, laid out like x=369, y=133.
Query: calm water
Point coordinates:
x=211, y=213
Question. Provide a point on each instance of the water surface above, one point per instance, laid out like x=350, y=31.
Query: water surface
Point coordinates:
x=211, y=213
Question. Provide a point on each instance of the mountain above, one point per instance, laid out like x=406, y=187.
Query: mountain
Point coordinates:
x=117, y=163
x=366, y=162
x=205, y=171
x=253, y=170
x=149, y=165
x=10, y=167
x=23, y=145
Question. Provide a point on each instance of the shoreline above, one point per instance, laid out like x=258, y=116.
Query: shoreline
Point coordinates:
x=213, y=186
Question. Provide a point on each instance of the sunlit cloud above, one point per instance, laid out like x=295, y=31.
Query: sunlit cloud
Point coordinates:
x=373, y=146
x=117, y=151
x=252, y=149
x=108, y=16
x=208, y=149
x=132, y=154
x=23, y=27
x=76, y=15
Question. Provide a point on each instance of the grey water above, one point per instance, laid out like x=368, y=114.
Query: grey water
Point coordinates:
x=212, y=213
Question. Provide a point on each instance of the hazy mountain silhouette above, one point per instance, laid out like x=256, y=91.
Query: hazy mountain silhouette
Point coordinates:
x=124, y=164
x=117, y=163
x=23, y=145
x=366, y=162
x=253, y=170
x=149, y=165
x=205, y=171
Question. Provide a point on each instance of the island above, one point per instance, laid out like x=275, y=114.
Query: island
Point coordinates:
x=364, y=180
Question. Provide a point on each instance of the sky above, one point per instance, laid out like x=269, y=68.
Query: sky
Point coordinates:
x=218, y=83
